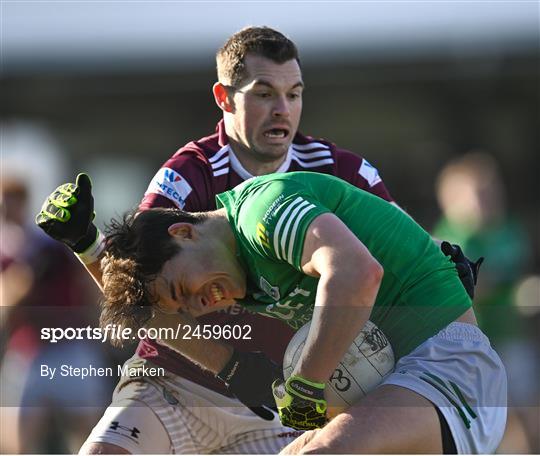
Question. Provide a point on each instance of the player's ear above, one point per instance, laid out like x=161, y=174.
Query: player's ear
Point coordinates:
x=223, y=97
x=183, y=231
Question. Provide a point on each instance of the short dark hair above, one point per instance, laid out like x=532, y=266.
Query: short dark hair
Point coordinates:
x=138, y=246
x=262, y=41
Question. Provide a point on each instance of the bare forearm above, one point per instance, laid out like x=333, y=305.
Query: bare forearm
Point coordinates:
x=342, y=307
x=94, y=269
x=349, y=279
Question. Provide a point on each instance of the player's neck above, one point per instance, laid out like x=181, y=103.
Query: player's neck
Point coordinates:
x=217, y=224
x=253, y=164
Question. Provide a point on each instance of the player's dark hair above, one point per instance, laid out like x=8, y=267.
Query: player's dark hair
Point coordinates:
x=262, y=41
x=138, y=246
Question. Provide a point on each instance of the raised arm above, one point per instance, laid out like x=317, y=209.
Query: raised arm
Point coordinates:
x=67, y=216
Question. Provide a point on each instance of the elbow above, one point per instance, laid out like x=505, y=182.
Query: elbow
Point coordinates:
x=377, y=272
x=371, y=276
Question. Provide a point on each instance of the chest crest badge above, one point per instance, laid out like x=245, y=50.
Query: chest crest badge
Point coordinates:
x=270, y=290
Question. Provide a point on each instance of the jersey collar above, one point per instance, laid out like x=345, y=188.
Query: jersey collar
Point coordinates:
x=245, y=174
x=223, y=141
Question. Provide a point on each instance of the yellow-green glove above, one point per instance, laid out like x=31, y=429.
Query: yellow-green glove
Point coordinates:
x=300, y=402
x=67, y=214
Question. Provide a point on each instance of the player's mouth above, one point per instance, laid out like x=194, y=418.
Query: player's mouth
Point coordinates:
x=216, y=295
x=276, y=133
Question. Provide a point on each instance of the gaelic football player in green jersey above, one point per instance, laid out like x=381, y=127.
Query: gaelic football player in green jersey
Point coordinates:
x=306, y=246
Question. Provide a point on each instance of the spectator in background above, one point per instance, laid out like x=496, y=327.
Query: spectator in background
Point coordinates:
x=41, y=287
x=472, y=197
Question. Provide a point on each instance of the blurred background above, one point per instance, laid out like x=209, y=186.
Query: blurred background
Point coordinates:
x=442, y=97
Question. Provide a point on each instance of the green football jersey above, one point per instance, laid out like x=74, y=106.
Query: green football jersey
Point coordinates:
x=420, y=292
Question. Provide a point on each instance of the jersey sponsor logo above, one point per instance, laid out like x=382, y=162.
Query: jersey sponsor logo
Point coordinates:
x=269, y=289
x=170, y=184
x=117, y=428
x=288, y=309
x=299, y=291
x=369, y=173
x=271, y=211
x=235, y=309
x=262, y=235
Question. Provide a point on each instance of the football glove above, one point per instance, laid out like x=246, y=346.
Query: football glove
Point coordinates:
x=67, y=214
x=467, y=270
x=300, y=403
x=249, y=377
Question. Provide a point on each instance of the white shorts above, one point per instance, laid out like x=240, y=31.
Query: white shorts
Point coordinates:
x=169, y=414
x=459, y=372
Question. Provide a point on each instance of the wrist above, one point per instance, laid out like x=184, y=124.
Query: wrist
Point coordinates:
x=305, y=389
x=93, y=251
x=87, y=241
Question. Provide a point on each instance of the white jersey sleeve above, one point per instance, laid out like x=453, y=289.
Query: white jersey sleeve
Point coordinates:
x=133, y=426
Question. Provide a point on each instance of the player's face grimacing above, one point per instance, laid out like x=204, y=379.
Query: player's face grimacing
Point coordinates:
x=203, y=277
x=267, y=108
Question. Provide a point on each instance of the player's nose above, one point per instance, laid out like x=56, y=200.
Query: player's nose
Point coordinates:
x=281, y=107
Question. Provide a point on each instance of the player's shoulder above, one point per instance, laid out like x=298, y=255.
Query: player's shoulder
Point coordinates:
x=203, y=149
x=211, y=151
x=311, y=150
x=186, y=178
x=264, y=196
x=317, y=154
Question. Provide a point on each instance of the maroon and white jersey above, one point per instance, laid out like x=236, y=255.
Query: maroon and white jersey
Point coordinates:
x=192, y=178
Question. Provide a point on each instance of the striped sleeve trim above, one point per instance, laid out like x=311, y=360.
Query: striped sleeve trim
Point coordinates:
x=220, y=161
x=221, y=171
x=219, y=154
x=287, y=228
x=312, y=155
x=308, y=155
x=310, y=146
x=313, y=164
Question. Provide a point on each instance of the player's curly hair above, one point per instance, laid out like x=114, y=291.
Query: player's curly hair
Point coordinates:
x=262, y=41
x=138, y=246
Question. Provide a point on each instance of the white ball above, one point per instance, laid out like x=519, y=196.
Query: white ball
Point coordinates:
x=367, y=361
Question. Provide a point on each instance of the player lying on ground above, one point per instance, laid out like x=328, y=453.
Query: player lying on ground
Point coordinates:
x=303, y=246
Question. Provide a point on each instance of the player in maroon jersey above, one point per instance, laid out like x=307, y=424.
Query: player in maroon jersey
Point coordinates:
x=259, y=91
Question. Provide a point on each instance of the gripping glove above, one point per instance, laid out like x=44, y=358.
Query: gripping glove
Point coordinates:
x=300, y=402
x=249, y=377
x=67, y=214
x=467, y=270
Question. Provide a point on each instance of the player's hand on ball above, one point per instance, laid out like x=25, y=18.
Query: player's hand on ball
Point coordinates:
x=300, y=402
x=249, y=376
x=467, y=270
x=67, y=214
